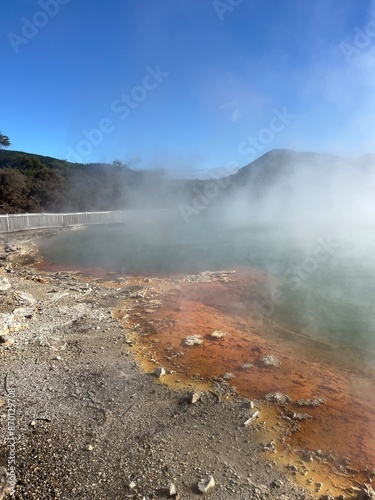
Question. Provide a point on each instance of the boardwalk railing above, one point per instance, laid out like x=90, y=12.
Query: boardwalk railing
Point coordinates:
x=20, y=222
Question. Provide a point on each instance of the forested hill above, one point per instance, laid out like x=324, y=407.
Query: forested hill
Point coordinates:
x=34, y=183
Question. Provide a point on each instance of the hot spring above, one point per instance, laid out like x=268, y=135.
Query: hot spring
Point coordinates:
x=325, y=284
x=307, y=299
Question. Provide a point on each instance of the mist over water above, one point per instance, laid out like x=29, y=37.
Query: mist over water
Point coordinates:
x=309, y=224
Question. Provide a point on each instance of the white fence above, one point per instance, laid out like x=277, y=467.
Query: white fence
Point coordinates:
x=20, y=222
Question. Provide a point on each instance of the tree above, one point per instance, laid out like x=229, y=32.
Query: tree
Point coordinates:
x=13, y=191
x=117, y=164
x=4, y=141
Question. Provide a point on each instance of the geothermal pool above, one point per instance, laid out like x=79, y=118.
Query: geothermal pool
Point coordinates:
x=324, y=283
x=305, y=298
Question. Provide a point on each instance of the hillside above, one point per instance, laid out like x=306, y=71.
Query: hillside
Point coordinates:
x=35, y=183
x=284, y=164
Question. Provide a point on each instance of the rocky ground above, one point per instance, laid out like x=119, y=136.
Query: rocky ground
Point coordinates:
x=89, y=423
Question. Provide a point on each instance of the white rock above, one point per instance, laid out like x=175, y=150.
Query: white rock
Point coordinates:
x=195, y=396
x=23, y=312
x=277, y=398
x=247, y=366
x=172, y=490
x=252, y=418
x=9, y=323
x=219, y=334
x=206, y=484
x=193, y=340
x=160, y=372
x=270, y=360
x=27, y=297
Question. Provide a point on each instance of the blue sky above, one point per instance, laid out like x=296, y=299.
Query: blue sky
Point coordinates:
x=187, y=85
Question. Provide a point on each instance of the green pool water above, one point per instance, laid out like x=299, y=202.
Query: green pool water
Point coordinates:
x=326, y=281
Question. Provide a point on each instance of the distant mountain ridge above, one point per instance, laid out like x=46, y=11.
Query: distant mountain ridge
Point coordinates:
x=281, y=161
x=35, y=183
x=283, y=166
